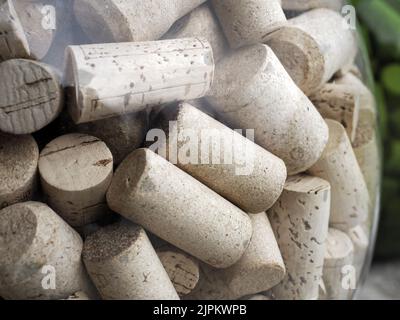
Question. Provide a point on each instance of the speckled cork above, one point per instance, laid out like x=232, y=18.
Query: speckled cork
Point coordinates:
x=366, y=142
x=252, y=90
x=339, y=254
x=124, y=266
x=39, y=22
x=300, y=5
x=75, y=172
x=201, y=22
x=182, y=269
x=260, y=269
x=338, y=165
x=246, y=22
x=341, y=103
x=300, y=220
x=314, y=46
x=144, y=74
x=233, y=166
x=13, y=42
x=127, y=21
x=19, y=157
x=30, y=96
x=32, y=236
x=168, y=202
x=121, y=134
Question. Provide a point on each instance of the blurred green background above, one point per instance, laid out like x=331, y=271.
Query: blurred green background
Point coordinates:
x=380, y=28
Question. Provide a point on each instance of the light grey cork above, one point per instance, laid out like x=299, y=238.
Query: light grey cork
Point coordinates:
x=301, y=5
x=182, y=269
x=221, y=158
x=252, y=90
x=201, y=22
x=121, y=134
x=365, y=144
x=35, y=245
x=300, y=220
x=341, y=103
x=39, y=22
x=30, y=96
x=338, y=165
x=19, y=157
x=338, y=256
x=76, y=171
x=128, y=21
x=260, y=269
x=168, y=202
x=124, y=266
x=13, y=42
x=247, y=22
x=314, y=46
x=144, y=74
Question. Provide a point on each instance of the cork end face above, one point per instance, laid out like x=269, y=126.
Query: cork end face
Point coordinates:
x=22, y=154
x=337, y=136
x=300, y=55
x=235, y=73
x=126, y=180
x=338, y=245
x=111, y=241
x=30, y=96
x=18, y=225
x=67, y=162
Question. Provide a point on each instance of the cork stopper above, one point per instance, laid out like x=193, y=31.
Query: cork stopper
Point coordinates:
x=19, y=157
x=30, y=96
x=110, y=241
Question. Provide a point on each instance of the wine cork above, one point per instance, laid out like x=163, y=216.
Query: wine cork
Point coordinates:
x=252, y=90
x=300, y=220
x=76, y=171
x=122, y=134
x=313, y=47
x=143, y=75
x=224, y=160
x=201, y=22
x=19, y=157
x=341, y=103
x=247, y=22
x=124, y=266
x=370, y=162
x=122, y=20
x=13, y=42
x=338, y=256
x=152, y=192
x=338, y=165
x=30, y=96
x=41, y=254
x=302, y=5
x=182, y=269
x=39, y=22
x=260, y=268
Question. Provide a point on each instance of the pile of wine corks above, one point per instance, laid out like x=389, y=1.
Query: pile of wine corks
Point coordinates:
x=196, y=150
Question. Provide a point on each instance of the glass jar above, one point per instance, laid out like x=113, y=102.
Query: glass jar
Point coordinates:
x=192, y=150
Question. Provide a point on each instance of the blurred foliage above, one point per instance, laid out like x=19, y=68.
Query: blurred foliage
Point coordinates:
x=380, y=28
